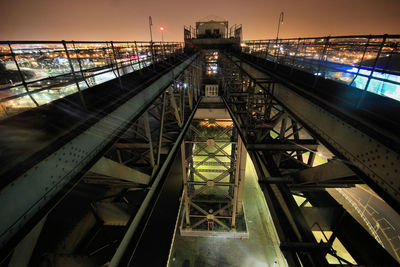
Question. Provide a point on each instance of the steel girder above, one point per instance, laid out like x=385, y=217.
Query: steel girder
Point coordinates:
x=374, y=161
x=128, y=161
x=124, y=251
x=256, y=115
x=211, y=176
x=33, y=192
x=265, y=120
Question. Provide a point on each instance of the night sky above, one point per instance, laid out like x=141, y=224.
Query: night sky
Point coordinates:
x=128, y=19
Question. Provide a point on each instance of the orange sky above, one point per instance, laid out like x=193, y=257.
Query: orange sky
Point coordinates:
x=128, y=19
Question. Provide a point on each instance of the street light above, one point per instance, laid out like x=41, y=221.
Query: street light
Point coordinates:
x=162, y=33
x=280, y=21
x=151, y=24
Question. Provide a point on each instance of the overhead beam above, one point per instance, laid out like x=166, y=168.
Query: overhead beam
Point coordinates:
x=329, y=171
x=304, y=246
x=111, y=213
x=319, y=218
x=287, y=145
x=132, y=146
x=114, y=169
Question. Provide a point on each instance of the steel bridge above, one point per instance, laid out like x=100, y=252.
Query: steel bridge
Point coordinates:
x=91, y=133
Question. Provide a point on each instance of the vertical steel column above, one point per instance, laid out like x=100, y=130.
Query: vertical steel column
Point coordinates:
x=182, y=97
x=173, y=102
x=189, y=82
x=148, y=135
x=242, y=172
x=164, y=100
x=197, y=70
x=236, y=186
x=185, y=189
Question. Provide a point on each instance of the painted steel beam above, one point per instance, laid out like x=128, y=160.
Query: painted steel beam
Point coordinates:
x=304, y=246
x=296, y=145
x=123, y=246
x=111, y=213
x=33, y=191
x=23, y=251
x=319, y=218
x=133, y=146
x=114, y=169
x=377, y=163
x=329, y=171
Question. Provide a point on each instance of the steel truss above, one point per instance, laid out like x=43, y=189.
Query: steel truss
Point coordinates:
x=146, y=143
x=156, y=138
x=284, y=153
x=210, y=162
x=138, y=142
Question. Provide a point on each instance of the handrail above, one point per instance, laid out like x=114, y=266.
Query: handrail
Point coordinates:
x=332, y=37
x=33, y=73
x=366, y=62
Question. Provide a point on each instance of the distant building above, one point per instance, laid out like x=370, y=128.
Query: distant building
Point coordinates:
x=213, y=34
x=212, y=29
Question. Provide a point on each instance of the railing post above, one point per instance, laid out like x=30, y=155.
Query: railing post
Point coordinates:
x=130, y=56
x=267, y=50
x=163, y=51
x=376, y=61
x=116, y=65
x=73, y=74
x=361, y=61
x=372, y=70
x=152, y=54
x=109, y=59
x=294, y=57
x=138, y=58
x=80, y=65
x=22, y=76
x=321, y=58
x=277, y=54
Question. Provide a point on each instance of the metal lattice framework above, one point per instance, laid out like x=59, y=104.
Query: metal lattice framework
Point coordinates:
x=151, y=136
x=278, y=143
x=287, y=156
x=211, y=154
x=127, y=149
x=265, y=123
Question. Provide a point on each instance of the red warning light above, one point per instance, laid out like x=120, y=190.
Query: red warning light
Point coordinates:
x=162, y=28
